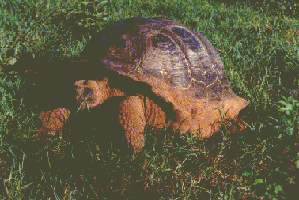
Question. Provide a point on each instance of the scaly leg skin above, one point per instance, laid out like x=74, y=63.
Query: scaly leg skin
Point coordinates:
x=132, y=118
x=54, y=120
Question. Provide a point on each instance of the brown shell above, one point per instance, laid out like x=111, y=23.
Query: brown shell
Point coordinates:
x=165, y=49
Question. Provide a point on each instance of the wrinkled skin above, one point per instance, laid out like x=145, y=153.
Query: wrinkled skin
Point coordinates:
x=134, y=112
x=53, y=120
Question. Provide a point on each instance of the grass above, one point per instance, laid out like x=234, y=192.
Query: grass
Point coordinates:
x=259, y=48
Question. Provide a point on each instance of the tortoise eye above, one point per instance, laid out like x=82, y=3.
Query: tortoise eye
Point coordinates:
x=163, y=42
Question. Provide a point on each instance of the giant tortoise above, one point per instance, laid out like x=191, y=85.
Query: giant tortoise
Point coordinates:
x=167, y=74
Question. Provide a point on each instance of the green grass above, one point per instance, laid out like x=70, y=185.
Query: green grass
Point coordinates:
x=259, y=48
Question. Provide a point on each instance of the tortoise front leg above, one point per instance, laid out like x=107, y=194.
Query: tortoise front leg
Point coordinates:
x=132, y=118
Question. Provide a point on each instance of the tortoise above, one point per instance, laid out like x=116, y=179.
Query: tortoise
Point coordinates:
x=180, y=66
x=166, y=74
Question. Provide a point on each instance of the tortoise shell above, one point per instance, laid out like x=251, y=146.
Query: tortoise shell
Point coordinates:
x=167, y=50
